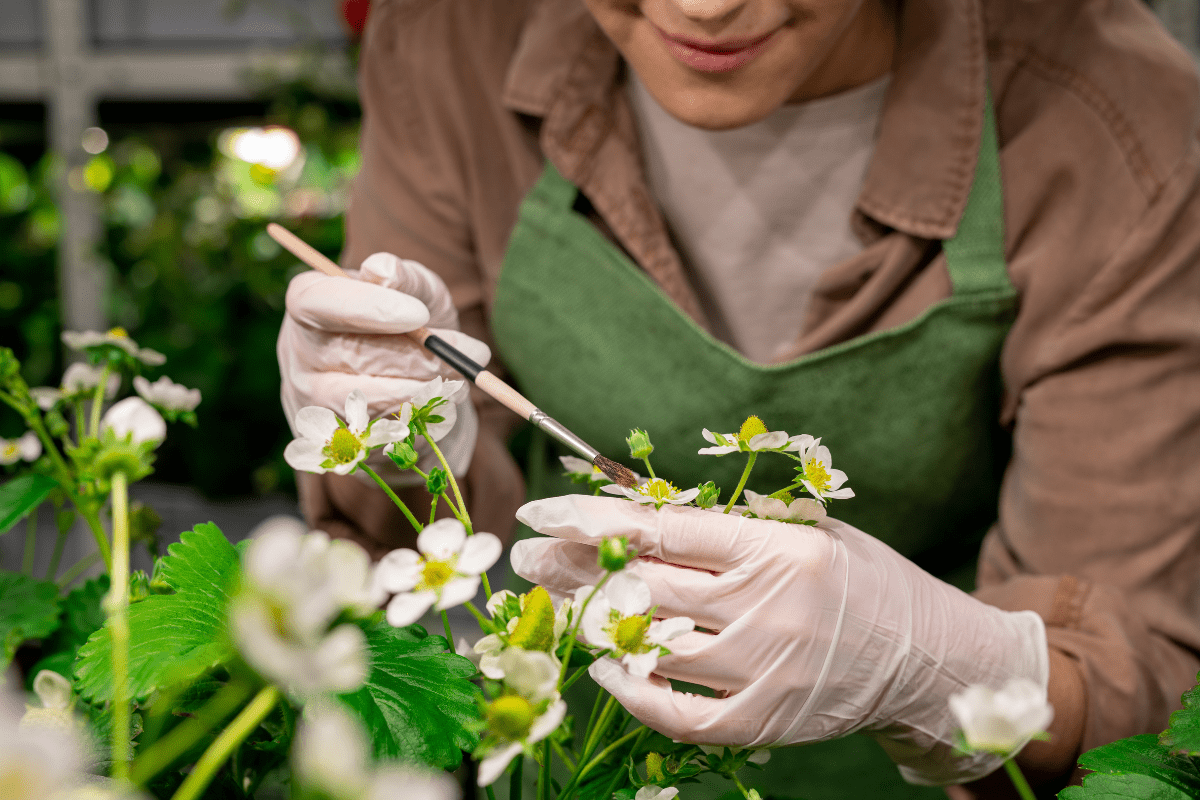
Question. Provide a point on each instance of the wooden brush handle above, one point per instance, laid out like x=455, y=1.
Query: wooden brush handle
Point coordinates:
x=457, y=359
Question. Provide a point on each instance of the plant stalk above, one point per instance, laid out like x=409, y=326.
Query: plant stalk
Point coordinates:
x=1018, y=779
x=388, y=490
x=184, y=736
x=464, y=516
x=118, y=622
x=742, y=483
x=226, y=742
x=30, y=551
x=75, y=570
x=562, y=674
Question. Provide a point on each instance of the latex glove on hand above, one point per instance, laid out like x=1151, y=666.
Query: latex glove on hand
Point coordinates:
x=812, y=632
x=339, y=335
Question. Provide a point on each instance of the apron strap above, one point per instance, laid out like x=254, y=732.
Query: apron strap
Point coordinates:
x=975, y=255
x=552, y=190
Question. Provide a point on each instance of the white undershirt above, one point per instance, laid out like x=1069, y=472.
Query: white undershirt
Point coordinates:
x=759, y=212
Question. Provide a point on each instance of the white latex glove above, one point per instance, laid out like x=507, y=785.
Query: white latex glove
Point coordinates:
x=812, y=633
x=339, y=335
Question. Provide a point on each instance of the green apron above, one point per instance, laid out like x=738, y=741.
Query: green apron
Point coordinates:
x=910, y=414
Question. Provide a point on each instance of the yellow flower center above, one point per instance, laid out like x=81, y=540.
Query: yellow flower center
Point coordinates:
x=752, y=427
x=510, y=717
x=629, y=634
x=10, y=450
x=658, y=489
x=535, y=629
x=118, y=333
x=814, y=473
x=343, y=447
x=435, y=575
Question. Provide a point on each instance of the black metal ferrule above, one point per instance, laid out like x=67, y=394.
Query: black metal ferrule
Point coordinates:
x=452, y=356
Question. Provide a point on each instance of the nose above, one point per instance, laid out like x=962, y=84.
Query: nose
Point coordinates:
x=709, y=10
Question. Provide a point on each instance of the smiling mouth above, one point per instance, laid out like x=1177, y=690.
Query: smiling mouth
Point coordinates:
x=720, y=56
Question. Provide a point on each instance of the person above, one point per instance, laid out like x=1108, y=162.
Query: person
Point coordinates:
x=956, y=239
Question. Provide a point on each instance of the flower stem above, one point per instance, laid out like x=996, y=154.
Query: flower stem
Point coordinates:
x=78, y=568
x=60, y=542
x=516, y=784
x=737, y=782
x=226, y=742
x=433, y=508
x=98, y=401
x=30, y=544
x=649, y=468
x=449, y=634
x=463, y=516
x=606, y=752
x=544, y=772
x=486, y=624
x=117, y=605
x=93, y=522
x=562, y=755
x=742, y=483
x=388, y=490
x=562, y=673
x=491, y=793
x=1018, y=780
x=184, y=736
x=80, y=422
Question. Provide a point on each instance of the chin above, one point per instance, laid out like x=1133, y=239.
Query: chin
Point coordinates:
x=717, y=105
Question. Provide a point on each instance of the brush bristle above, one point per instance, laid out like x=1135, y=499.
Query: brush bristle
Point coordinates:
x=618, y=474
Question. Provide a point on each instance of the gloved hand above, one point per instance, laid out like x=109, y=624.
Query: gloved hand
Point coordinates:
x=812, y=633
x=341, y=334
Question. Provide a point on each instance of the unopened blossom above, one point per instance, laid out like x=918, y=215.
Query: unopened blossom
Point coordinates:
x=57, y=698
x=618, y=619
x=803, y=509
x=167, y=394
x=448, y=394
x=24, y=448
x=1002, y=721
x=36, y=761
x=134, y=417
x=820, y=478
x=325, y=444
x=442, y=572
x=116, y=337
x=527, y=711
x=656, y=793
x=538, y=627
x=78, y=379
x=751, y=437
x=655, y=491
x=294, y=587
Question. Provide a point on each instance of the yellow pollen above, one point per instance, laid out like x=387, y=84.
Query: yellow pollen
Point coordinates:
x=814, y=473
x=10, y=449
x=510, y=717
x=343, y=447
x=535, y=629
x=629, y=635
x=435, y=574
x=752, y=427
x=118, y=332
x=658, y=489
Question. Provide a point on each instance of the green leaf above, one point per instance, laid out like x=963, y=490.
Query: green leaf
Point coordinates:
x=1136, y=768
x=20, y=496
x=173, y=637
x=28, y=610
x=418, y=703
x=1182, y=736
x=81, y=616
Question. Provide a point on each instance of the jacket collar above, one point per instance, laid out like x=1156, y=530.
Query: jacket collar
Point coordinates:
x=565, y=71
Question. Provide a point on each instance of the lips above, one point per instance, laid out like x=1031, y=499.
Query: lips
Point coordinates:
x=720, y=56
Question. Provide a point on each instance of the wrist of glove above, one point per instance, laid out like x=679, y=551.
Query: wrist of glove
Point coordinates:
x=808, y=633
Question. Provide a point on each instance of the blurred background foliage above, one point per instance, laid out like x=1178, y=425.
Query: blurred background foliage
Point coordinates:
x=193, y=272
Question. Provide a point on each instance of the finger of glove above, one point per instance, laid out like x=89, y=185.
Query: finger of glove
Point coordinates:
x=728, y=661
x=559, y=566
x=388, y=355
x=415, y=279
x=689, y=537
x=713, y=601
x=341, y=305
x=684, y=717
x=384, y=395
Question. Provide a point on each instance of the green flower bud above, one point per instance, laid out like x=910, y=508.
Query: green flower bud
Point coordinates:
x=437, y=481
x=139, y=586
x=614, y=553
x=403, y=455
x=639, y=444
x=654, y=768
x=709, y=492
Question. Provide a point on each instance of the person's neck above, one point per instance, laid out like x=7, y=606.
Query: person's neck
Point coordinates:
x=863, y=54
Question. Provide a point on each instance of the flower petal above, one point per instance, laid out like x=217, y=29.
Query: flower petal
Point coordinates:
x=479, y=553
x=717, y=451
x=595, y=619
x=494, y=765
x=457, y=592
x=665, y=630
x=398, y=571
x=356, y=411
x=316, y=422
x=386, y=431
x=545, y=725
x=628, y=594
x=769, y=440
x=442, y=539
x=686, y=496
x=408, y=607
x=305, y=455
x=642, y=664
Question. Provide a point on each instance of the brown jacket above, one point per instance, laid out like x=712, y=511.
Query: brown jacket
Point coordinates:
x=1099, y=519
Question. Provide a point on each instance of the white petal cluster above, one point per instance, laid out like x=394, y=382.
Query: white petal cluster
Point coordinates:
x=1002, y=721
x=325, y=445
x=331, y=755
x=24, y=448
x=803, y=509
x=442, y=572
x=295, y=586
x=167, y=394
x=82, y=340
x=528, y=711
x=78, y=379
x=134, y=417
x=745, y=441
x=618, y=619
x=820, y=478
x=655, y=491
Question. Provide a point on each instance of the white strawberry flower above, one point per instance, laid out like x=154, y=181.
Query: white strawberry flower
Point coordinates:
x=25, y=448
x=820, y=478
x=752, y=437
x=78, y=379
x=1002, y=721
x=526, y=712
x=800, y=510
x=656, y=793
x=326, y=444
x=116, y=337
x=443, y=572
x=656, y=490
x=134, y=417
x=167, y=394
x=36, y=761
x=451, y=393
x=618, y=619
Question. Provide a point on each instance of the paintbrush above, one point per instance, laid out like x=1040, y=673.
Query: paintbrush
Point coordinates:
x=472, y=371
